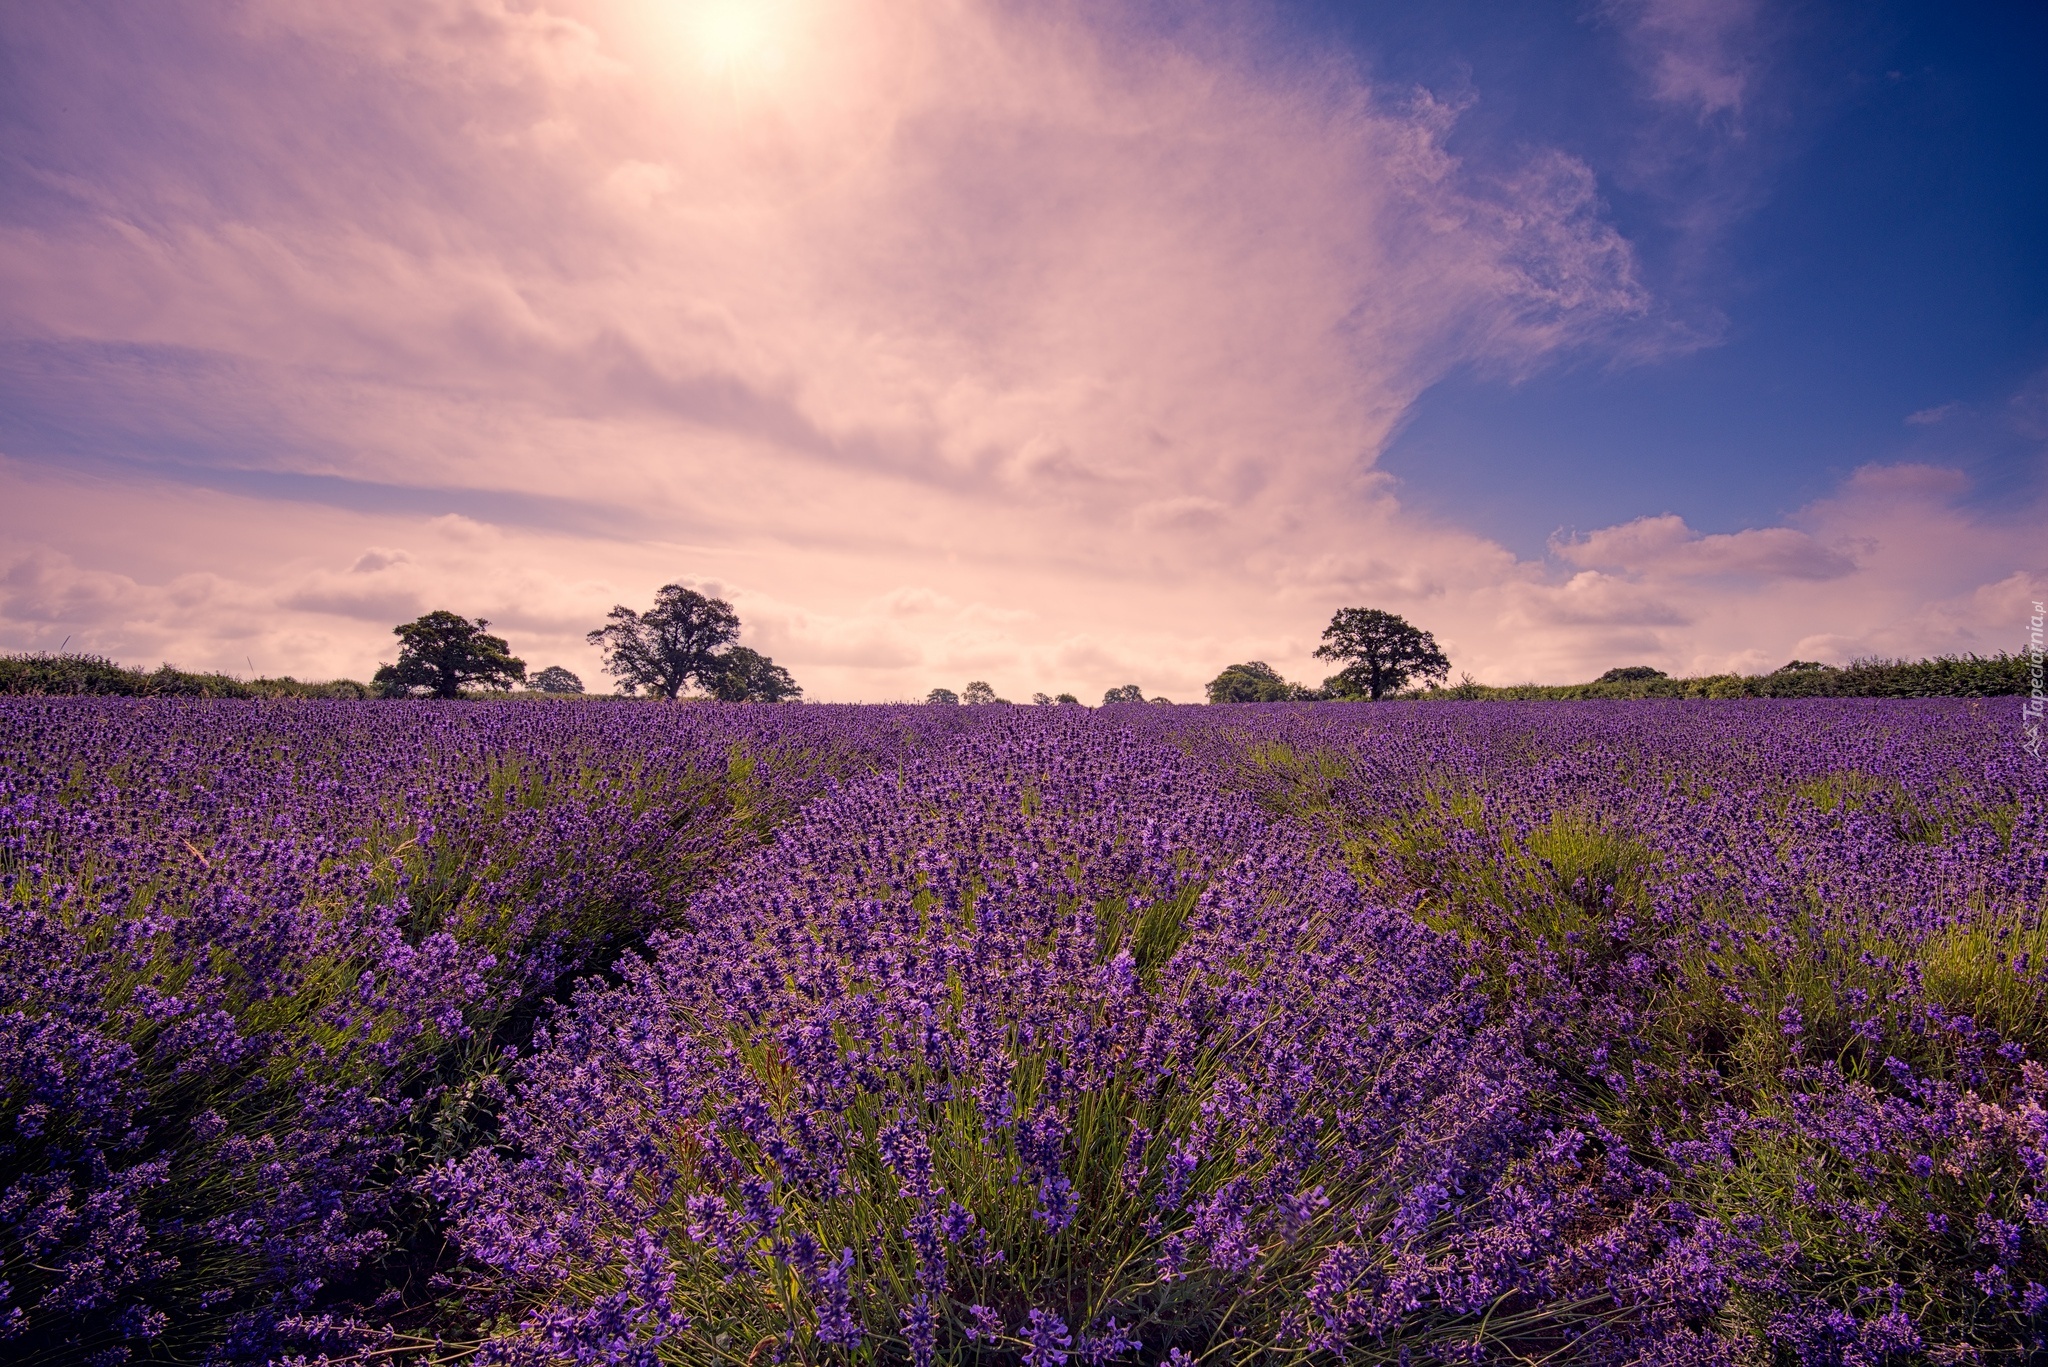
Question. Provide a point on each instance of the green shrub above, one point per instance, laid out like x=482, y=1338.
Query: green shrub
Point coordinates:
x=81, y=675
x=95, y=675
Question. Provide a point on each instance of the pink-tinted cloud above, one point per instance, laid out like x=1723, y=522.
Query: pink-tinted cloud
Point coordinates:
x=949, y=340
x=1892, y=563
x=1665, y=546
x=1699, y=55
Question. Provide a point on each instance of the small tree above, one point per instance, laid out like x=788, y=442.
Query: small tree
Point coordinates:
x=1466, y=688
x=1127, y=693
x=1255, y=681
x=671, y=645
x=554, y=679
x=1065, y=700
x=746, y=675
x=977, y=692
x=944, y=697
x=1385, y=653
x=442, y=651
x=1631, y=674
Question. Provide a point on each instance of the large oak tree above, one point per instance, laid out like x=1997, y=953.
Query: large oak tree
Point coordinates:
x=443, y=651
x=671, y=645
x=1384, y=653
x=687, y=638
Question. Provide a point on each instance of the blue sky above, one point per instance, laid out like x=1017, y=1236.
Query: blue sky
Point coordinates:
x=1864, y=239
x=1063, y=345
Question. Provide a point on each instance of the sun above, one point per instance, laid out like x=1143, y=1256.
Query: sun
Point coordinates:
x=728, y=33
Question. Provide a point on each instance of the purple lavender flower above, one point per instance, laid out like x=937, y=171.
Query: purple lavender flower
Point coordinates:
x=984, y=1324
x=921, y=1329
x=1048, y=1338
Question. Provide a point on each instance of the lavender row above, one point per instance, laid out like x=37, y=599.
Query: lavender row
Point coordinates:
x=1045, y=1047
x=847, y=1114
x=1794, y=955
x=260, y=962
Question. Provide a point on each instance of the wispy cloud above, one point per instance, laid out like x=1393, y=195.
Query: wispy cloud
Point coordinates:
x=1701, y=56
x=1713, y=126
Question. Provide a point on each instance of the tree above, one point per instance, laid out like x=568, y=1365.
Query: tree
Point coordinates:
x=944, y=697
x=746, y=675
x=442, y=651
x=1255, y=681
x=1066, y=700
x=1384, y=651
x=1127, y=693
x=1631, y=674
x=673, y=644
x=1803, y=667
x=555, y=679
x=977, y=692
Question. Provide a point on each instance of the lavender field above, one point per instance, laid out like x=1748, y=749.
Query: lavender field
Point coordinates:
x=1593, y=1032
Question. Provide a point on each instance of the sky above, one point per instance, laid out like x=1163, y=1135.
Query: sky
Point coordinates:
x=1060, y=345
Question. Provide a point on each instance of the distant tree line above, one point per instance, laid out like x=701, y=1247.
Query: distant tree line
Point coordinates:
x=1385, y=656
x=1380, y=652
x=685, y=639
x=1943, y=676
x=979, y=693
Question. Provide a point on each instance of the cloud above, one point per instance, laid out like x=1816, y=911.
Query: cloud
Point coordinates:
x=1717, y=124
x=1927, y=417
x=1698, y=55
x=1590, y=599
x=937, y=335
x=383, y=586
x=2029, y=407
x=913, y=602
x=1191, y=513
x=43, y=586
x=975, y=249
x=1666, y=546
x=1890, y=563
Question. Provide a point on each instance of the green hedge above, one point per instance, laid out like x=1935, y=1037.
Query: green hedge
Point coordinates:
x=97, y=676
x=1945, y=676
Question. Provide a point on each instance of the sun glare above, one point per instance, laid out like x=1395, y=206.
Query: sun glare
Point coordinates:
x=730, y=33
